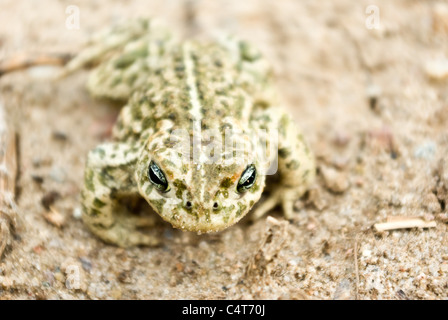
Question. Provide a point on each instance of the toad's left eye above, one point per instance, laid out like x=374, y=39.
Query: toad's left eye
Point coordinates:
x=157, y=177
x=247, y=179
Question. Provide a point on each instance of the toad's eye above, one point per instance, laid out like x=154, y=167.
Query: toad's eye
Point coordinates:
x=247, y=179
x=157, y=177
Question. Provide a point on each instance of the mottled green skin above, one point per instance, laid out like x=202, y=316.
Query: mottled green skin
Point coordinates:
x=183, y=99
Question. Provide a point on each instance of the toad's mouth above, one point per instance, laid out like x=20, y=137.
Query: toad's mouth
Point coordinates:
x=202, y=219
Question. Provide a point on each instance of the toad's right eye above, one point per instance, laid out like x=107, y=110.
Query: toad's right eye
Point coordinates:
x=157, y=177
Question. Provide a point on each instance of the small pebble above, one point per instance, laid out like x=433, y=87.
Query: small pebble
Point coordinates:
x=86, y=263
x=38, y=179
x=59, y=276
x=58, y=174
x=437, y=69
x=335, y=181
x=49, y=199
x=43, y=72
x=77, y=213
x=59, y=135
x=366, y=253
x=55, y=218
x=373, y=92
x=343, y=291
x=426, y=150
x=49, y=276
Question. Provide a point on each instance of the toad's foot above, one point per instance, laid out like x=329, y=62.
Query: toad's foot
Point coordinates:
x=286, y=197
x=109, y=189
x=123, y=231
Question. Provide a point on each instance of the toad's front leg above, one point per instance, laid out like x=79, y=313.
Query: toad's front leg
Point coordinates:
x=109, y=179
x=296, y=169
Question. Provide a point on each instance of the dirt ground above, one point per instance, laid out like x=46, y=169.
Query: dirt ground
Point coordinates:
x=373, y=103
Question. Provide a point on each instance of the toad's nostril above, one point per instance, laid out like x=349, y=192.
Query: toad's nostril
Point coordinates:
x=188, y=205
x=216, y=205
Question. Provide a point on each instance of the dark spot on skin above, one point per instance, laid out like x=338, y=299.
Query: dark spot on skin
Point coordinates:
x=104, y=177
x=88, y=181
x=143, y=100
x=100, y=151
x=113, y=193
x=172, y=116
x=265, y=118
x=293, y=165
x=226, y=183
x=148, y=122
x=98, y=203
x=261, y=104
x=284, y=153
x=129, y=58
x=305, y=174
x=136, y=112
x=247, y=53
x=226, y=126
x=283, y=124
x=169, y=143
x=191, y=212
x=179, y=68
x=180, y=188
x=94, y=212
x=204, y=126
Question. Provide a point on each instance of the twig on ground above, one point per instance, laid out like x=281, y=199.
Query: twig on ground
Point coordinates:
x=8, y=174
x=394, y=223
x=23, y=61
x=355, y=256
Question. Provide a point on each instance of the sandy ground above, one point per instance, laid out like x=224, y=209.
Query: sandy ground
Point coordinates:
x=372, y=103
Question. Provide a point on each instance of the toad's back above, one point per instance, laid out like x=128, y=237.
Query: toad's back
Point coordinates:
x=210, y=85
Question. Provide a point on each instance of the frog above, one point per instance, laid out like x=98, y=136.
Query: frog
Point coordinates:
x=202, y=130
